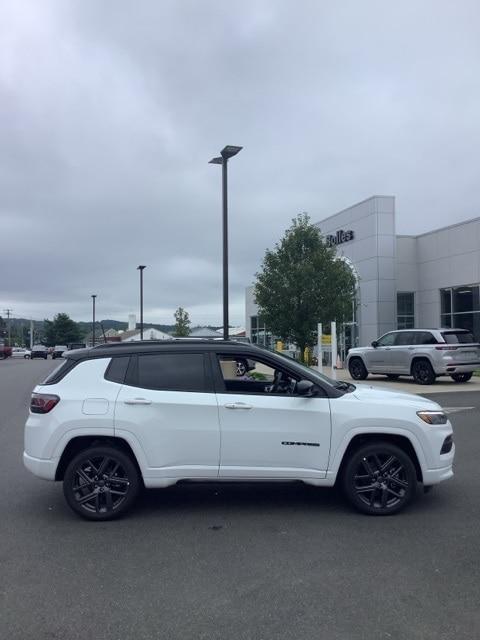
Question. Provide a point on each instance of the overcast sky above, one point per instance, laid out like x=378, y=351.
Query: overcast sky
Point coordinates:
x=110, y=111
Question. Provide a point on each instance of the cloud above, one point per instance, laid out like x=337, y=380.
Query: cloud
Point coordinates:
x=110, y=112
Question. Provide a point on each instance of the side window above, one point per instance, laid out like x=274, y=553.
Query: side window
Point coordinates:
x=172, y=372
x=387, y=340
x=404, y=338
x=425, y=337
x=117, y=369
x=247, y=375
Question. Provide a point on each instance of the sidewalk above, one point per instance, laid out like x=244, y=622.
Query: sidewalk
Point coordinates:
x=442, y=385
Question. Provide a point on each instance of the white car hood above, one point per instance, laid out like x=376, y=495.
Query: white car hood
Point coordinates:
x=367, y=393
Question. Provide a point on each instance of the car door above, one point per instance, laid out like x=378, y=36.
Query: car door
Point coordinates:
x=401, y=352
x=269, y=432
x=379, y=358
x=169, y=406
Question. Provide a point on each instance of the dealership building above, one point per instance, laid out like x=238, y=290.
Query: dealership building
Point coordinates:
x=403, y=281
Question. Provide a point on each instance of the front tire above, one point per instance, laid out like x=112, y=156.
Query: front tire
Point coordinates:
x=422, y=372
x=357, y=369
x=101, y=483
x=461, y=377
x=379, y=479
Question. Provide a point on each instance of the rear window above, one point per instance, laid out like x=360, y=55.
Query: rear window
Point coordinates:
x=458, y=337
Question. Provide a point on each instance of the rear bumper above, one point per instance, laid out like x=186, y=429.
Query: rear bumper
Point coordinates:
x=461, y=367
x=39, y=467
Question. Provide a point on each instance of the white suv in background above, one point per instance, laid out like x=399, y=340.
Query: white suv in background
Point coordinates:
x=118, y=417
x=424, y=354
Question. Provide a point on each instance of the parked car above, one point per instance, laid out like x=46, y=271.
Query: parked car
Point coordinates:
x=118, y=417
x=421, y=353
x=58, y=351
x=39, y=351
x=5, y=352
x=20, y=352
x=76, y=345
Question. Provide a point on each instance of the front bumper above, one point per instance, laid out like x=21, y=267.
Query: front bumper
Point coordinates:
x=45, y=469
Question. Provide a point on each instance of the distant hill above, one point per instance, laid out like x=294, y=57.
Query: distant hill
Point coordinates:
x=86, y=327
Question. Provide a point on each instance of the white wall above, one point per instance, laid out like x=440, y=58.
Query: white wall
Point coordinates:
x=447, y=257
x=373, y=253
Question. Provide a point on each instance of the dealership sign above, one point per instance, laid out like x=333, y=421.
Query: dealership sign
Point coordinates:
x=340, y=237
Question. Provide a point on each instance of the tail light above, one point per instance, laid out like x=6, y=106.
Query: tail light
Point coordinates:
x=444, y=348
x=43, y=402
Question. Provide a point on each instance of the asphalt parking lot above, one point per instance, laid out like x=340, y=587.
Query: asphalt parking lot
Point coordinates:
x=236, y=561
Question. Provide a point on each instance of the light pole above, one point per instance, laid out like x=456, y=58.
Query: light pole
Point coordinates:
x=228, y=152
x=94, y=295
x=140, y=268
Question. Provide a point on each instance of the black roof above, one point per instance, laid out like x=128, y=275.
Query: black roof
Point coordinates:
x=183, y=344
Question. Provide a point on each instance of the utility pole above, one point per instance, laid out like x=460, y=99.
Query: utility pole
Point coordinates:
x=94, y=295
x=140, y=268
x=8, y=312
x=31, y=334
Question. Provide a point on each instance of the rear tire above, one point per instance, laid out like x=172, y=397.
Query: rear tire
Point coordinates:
x=101, y=483
x=357, y=369
x=422, y=372
x=379, y=479
x=461, y=377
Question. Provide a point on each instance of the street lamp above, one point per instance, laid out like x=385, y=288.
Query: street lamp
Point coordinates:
x=228, y=152
x=140, y=268
x=94, y=295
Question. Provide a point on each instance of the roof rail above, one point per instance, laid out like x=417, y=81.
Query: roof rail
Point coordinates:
x=129, y=343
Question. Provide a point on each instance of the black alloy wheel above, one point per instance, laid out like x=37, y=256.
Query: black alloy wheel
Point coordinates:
x=422, y=372
x=101, y=483
x=380, y=479
x=461, y=377
x=357, y=369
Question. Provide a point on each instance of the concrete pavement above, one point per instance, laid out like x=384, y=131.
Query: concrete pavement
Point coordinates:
x=442, y=385
x=236, y=562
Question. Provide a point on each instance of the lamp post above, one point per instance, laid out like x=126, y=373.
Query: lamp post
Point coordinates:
x=228, y=152
x=140, y=268
x=94, y=295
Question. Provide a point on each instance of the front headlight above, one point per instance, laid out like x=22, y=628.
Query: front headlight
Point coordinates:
x=433, y=417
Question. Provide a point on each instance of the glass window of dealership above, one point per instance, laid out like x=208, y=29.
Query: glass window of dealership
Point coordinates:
x=403, y=281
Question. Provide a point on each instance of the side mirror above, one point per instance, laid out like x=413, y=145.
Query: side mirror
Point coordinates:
x=374, y=344
x=305, y=388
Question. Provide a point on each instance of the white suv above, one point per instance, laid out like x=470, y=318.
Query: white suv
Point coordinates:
x=117, y=417
x=421, y=353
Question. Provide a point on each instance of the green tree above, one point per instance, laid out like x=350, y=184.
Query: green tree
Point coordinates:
x=301, y=283
x=182, y=323
x=61, y=330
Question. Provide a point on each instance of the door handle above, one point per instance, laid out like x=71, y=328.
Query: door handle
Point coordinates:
x=137, y=401
x=237, y=405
